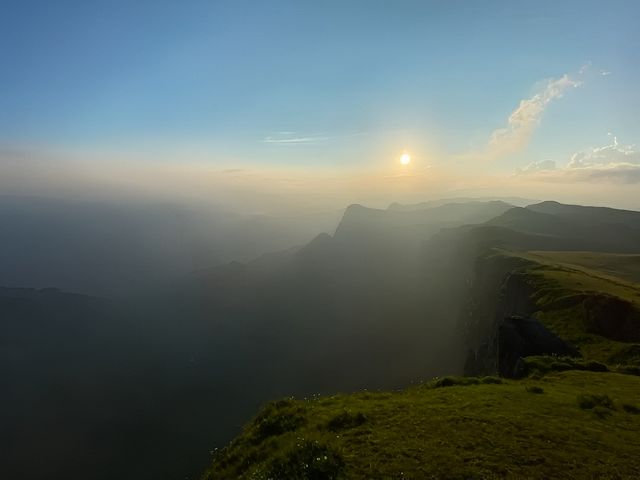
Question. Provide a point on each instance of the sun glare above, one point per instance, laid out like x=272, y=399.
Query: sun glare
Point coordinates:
x=405, y=159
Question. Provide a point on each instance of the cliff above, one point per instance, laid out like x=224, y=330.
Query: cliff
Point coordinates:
x=522, y=305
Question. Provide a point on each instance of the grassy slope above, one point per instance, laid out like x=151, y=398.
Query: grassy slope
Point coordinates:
x=620, y=266
x=562, y=280
x=474, y=431
x=481, y=430
x=616, y=274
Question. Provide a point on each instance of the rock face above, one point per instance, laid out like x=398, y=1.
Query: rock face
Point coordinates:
x=519, y=337
x=612, y=318
x=501, y=327
x=497, y=294
x=515, y=338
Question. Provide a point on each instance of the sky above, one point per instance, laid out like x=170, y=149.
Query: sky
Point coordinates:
x=266, y=98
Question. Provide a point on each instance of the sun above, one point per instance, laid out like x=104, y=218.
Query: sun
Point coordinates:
x=405, y=159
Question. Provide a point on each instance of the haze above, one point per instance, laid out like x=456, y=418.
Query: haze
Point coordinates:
x=286, y=107
x=206, y=206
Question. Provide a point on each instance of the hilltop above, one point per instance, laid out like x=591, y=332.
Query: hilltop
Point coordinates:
x=569, y=425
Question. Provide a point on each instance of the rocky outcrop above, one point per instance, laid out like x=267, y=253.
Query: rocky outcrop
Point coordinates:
x=501, y=328
x=495, y=293
x=612, y=318
x=519, y=337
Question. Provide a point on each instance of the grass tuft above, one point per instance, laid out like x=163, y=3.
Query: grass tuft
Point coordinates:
x=491, y=380
x=534, y=389
x=454, y=381
x=544, y=364
x=601, y=412
x=588, y=401
x=277, y=418
x=346, y=420
x=629, y=370
x=307, y=461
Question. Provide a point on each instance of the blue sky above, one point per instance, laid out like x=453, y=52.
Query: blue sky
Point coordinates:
x=325, y=83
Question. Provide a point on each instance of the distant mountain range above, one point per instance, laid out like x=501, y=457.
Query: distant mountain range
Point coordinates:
x=513, y=201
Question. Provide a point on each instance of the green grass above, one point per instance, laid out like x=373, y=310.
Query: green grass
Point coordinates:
x=605, y=273
x=565, y=425
x=616, y=266
x=541, y=365
x=571, y=286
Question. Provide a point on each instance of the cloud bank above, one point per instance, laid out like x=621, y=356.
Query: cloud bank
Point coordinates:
x=612, y=163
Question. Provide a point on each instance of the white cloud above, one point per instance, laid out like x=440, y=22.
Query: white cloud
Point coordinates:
x=612, y=154
x=293, y=138
x=584, y=68
x=613, y=163
x=526, y=117
x=535, y=167
x=296, y=138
